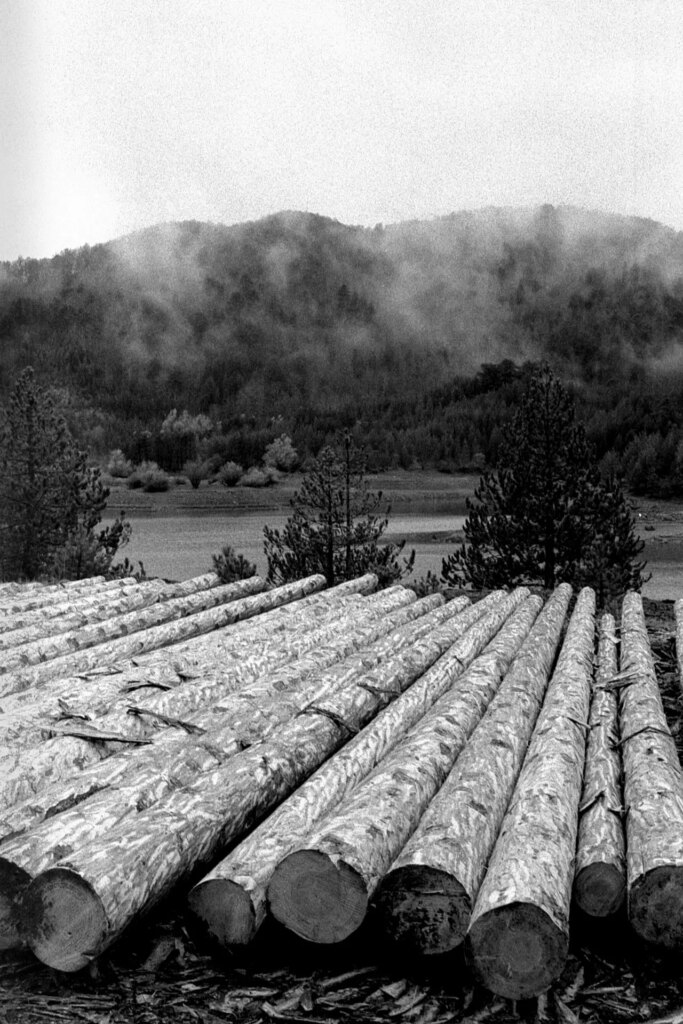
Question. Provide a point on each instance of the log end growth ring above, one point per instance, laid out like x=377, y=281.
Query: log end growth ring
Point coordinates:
x=516, y=950
x=318, y=898
x=424, y=909
x=65, y=920
x=655, y=906
x=223, y=911
x=14, y=882
x=599, y=889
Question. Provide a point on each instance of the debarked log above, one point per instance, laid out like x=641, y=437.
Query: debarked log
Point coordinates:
x=61, y=759
x=99, y=633
x=230, y=902
x=600, y=873
x=321, y=890
x=426, y=899
x=519, y=932
x=653, y=791
x=106, y=883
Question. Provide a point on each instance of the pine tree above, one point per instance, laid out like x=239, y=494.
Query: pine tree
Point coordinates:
x=50, y=500
x=545, y=515
x=336, y=526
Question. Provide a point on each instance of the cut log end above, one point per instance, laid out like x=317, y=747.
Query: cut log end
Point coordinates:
x=656, y=906
x=223, y=912
x=600, y=889
x=424, y=909
x=317, y=898
x=516, y=950
x=14, y=882
x=64, y=919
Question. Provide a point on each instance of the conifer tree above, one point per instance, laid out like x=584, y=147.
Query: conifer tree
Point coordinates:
x=50, y=500
x=545, y=515
x=336, y=525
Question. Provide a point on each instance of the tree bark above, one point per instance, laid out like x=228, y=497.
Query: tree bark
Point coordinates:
x=426, y=899
x=175, y=760
x=600, y=874
x=108, y=881
x=138, y=642
x=233, y=663
x=653, y=792
x=321, y=890
x=61, y=759
x=35, y=595
x=519, y=932
x=98, y=634
x=678, y=614
x=230, y=902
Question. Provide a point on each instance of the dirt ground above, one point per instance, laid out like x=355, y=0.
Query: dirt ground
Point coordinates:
x=158, y=975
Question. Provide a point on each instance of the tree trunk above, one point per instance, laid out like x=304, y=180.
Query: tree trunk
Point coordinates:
x=426, y=899
x=105, y=883
x=29, y=596
x=72, y=615
x=175, y=760
x=233, y=662
x=600, y=874
x=230, y=902
x=519, y=933
x=678, y=613
x=157, y=636
x=321, y=890
x=57, y=646
x=653, y=792
x=62, y=758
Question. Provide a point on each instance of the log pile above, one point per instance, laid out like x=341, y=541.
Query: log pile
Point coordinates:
x=444, y=773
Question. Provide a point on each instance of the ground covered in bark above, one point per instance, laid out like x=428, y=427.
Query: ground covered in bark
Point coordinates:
x=159, y=976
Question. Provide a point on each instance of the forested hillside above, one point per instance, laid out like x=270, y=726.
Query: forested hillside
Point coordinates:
x=299, y=324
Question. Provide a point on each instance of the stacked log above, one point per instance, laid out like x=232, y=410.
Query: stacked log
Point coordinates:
x=170, y=632
x=60, y=759
x=110, y=790
x=519, y=933
x=25, y=721
x=230, y=902
x=426, y=899
x=36, y=597
x=600, y=874
x=123, y=625
x=678, y=618
x=109, y=880
x=64, y=617
x=653, y=792
x=321, y=890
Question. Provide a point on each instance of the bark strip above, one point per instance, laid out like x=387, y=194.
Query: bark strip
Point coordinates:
x=321, y=890
x=519, y=932
x=600, y=874
x=653, y=792
x=426, y=899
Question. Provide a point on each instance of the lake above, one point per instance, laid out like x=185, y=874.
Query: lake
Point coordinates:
x=179, y=547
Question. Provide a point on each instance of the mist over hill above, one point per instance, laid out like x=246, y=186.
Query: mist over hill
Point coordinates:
x=321, y=324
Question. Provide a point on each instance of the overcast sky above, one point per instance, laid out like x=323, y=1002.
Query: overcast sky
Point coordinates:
x=118, y=114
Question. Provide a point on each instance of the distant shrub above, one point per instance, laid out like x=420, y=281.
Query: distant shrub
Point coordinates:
x=281, y=454
x=149, y=478
x=426, y=585
x=231, y=567
x=256, y=477
x=119, y=465
x=196, y=471
x=230, y=474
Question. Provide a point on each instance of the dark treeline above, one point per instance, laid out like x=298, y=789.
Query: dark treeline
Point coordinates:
x=415, y=337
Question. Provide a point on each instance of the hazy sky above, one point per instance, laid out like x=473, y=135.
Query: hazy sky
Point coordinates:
x=118, y=114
